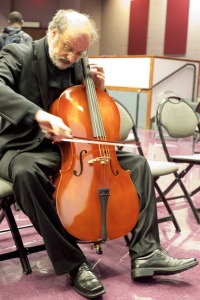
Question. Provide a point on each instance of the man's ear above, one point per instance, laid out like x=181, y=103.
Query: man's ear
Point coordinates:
x=53, y=32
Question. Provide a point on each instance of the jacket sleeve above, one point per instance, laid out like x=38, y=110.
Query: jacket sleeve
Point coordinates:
x=14, y=107
x=1, y=41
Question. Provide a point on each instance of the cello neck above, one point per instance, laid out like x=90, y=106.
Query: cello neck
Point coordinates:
x=95, y=114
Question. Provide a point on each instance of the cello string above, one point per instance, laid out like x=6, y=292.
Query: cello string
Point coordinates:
x=97, y=117
x=97, y=121
x=91, y=92
x=94, y=107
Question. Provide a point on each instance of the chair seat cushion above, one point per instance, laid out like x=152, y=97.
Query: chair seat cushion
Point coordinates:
x=187, y=158
x=5, y=188
x=161, y=168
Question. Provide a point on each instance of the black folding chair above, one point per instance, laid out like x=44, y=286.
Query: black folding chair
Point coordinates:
x=6, y=211
x=176, y=120
x=158, y=168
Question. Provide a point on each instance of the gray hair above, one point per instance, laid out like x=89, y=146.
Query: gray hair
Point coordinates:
x=63, y=20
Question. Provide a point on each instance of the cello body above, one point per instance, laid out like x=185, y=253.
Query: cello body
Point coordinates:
x=95, y=198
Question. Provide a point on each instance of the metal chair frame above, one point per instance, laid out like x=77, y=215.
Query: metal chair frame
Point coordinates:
x=21, y=252
x=176, y=117
x=158, y=168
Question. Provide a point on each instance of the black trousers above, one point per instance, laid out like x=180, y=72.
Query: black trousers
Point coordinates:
x=30, y=171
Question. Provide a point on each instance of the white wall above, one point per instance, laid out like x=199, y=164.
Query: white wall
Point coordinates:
x=193, y=40
x=156, y=27
x=112, y=18
x=115, y=25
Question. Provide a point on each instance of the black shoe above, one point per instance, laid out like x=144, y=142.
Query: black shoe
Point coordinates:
x=85, y=282
x=159, y=263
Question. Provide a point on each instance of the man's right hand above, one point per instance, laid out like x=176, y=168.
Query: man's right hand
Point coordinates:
x=53, y=126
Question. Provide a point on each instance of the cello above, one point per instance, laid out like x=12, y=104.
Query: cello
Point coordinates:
x=95, y=198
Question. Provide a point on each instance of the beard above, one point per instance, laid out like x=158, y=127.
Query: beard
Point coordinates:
x=59, y=61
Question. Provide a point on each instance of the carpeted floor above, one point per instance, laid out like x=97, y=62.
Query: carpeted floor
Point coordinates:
x=113, y=265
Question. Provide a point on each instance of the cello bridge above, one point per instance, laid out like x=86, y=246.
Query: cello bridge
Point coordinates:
x=103, y=160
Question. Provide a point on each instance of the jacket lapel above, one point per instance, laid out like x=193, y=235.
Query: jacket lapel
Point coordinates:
x=40, y=63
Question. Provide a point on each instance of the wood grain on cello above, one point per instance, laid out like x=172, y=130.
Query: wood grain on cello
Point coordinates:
x=95, y=198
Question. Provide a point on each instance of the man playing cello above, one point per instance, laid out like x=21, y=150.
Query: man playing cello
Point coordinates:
x=31, y=78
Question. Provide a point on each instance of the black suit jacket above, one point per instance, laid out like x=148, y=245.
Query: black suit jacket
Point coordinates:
x=23, y=91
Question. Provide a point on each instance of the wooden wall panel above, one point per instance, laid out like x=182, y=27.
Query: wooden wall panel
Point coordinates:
x=138, y=27
x=176, y=26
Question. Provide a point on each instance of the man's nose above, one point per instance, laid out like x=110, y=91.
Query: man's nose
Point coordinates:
x=72, y=57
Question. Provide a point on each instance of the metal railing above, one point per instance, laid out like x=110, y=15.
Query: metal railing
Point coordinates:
x=161, y=81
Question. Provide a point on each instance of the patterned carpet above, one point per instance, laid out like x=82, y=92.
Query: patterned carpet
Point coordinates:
x=113, y=265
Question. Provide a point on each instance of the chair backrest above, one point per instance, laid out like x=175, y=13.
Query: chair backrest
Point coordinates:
x=164, y=95
x=126, y=121
x=197, y=110
x=177, y=117
x=127, y=125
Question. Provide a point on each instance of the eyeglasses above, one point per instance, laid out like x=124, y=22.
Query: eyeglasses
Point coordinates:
x=71, y=52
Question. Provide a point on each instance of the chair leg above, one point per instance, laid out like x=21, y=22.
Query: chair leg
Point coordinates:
x=1, y=216
x=126, y=237
x=16, y=206
x=178, y=177
x=21, y=251
x=178, y=180
x=171, y=214
x=195, y=191
x=194, y=209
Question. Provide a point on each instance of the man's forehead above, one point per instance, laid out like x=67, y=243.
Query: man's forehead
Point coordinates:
x=76, y=36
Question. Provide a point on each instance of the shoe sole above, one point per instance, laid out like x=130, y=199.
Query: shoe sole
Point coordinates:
x=92, y=296
x=149, y=272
